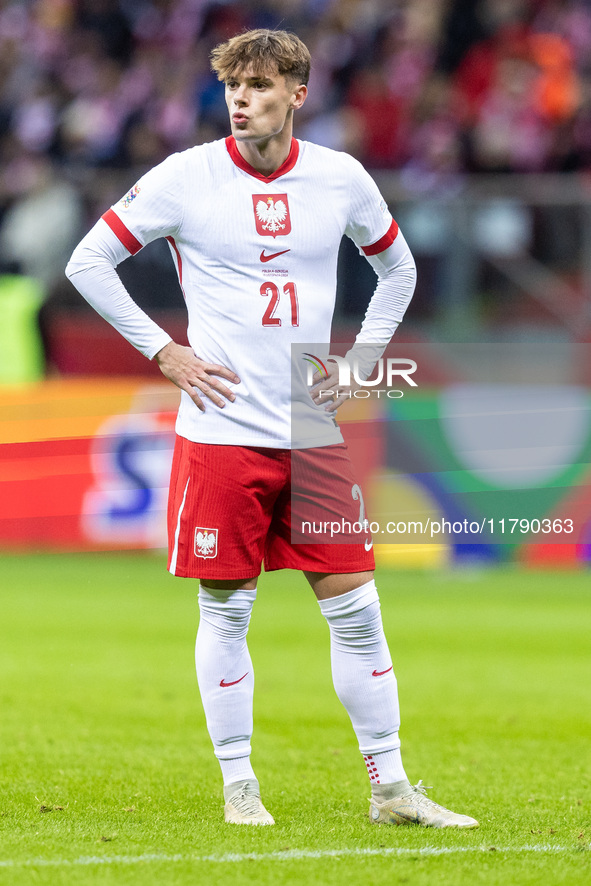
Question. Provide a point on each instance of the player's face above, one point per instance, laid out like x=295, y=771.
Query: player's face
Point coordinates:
x=261, y=104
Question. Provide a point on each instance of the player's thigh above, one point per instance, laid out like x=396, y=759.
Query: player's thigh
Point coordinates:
x=316, y=523
x=220, y=506
x=328, y=585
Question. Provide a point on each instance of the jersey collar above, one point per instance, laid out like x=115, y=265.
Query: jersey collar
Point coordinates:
x=287, y=165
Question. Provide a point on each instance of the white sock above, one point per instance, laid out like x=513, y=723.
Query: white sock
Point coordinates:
x=385, y=767
x=237, y=769
x=225, y=676
x=364, y=679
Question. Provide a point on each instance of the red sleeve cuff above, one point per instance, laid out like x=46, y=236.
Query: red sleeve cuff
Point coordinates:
x=383, y=242
x=131, y=243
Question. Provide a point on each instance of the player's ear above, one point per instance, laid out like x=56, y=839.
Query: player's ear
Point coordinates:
x=299, y=97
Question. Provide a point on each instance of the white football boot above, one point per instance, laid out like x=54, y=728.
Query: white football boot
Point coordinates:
x=412, y=806
x=243, y=804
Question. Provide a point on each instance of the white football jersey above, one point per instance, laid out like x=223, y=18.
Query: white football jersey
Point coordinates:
x=256, y=258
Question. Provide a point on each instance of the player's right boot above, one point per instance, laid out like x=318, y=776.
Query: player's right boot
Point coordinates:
x=243, y=804
x=410, y=805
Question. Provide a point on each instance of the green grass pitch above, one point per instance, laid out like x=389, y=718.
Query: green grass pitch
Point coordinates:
x=106, y=770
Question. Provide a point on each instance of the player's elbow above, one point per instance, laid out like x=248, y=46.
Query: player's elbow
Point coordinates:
x=85, y=259
x=78, y=262
x=75, y=271
x=403, y=274
x=70, y=269
x=406, y=270
x=411, y=272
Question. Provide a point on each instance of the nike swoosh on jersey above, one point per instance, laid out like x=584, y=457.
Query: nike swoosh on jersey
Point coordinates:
x=234, y=682
x=375, y=673
x=264, y=257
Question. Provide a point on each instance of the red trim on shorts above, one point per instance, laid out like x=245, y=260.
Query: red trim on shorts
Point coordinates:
x=287, y=165
x=131, y=243
x=179, y=262
x=383, y=242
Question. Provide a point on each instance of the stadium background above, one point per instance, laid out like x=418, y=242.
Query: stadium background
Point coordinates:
x=473, y=115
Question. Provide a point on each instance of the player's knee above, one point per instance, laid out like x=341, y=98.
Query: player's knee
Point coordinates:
x=214, y=585
x=227, y=612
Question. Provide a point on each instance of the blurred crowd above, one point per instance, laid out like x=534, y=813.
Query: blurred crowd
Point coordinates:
x=432, y=88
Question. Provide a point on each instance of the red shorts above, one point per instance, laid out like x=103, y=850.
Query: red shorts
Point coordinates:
x=230, y=509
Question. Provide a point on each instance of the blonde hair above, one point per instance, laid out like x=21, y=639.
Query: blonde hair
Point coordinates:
x=266, y=52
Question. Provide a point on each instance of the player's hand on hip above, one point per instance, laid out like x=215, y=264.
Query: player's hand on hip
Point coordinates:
x=197, y=378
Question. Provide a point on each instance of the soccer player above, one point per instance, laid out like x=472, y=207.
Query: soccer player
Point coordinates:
x=254, y=223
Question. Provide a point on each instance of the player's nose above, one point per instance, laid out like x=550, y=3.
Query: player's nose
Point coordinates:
x=241, y=96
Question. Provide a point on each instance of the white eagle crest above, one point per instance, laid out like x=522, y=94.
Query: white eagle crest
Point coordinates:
x=205, y=543
x=271, y=214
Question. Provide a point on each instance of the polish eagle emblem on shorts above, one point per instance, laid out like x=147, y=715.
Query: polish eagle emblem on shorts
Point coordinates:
x=271, y=213
x=206, y=542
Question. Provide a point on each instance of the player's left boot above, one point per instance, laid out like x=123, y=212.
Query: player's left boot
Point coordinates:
x=243, y=804
x=410, y=805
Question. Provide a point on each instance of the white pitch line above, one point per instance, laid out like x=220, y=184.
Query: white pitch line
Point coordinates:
x=287, y=855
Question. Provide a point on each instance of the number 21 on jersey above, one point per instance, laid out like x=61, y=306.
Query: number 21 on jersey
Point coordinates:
x=271, y=291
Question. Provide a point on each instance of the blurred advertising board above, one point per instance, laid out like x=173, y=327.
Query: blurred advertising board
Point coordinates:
x=486, y=458
x=467, y=452
x=85, y=463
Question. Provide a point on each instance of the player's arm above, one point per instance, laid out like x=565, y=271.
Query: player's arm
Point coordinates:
x=394, y=265
x=92, y=271
x=397, y=277
x=150, y=210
